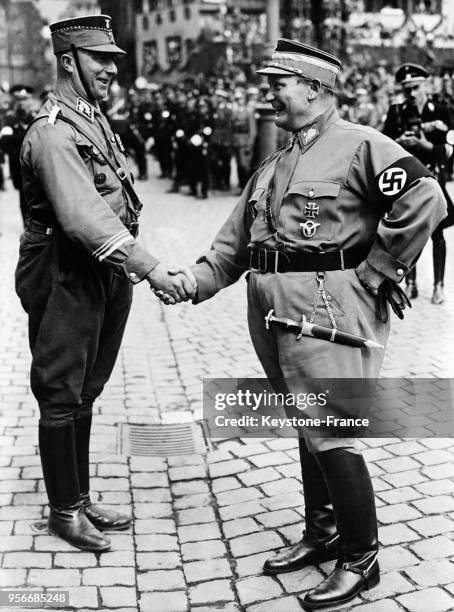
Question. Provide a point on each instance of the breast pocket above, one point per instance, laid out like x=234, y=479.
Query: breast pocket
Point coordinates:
x=97, y=166
x=257, y=207
x=309, y=211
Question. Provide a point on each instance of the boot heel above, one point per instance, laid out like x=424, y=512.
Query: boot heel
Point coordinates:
x=372, y=581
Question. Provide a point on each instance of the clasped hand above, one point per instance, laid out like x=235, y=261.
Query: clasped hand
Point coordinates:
x=173, y=285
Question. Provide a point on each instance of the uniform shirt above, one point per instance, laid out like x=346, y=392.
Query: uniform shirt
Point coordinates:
x=362, y=189
x=68, y=183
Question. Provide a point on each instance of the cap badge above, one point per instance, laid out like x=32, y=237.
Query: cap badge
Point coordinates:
x=108, y=24
x=310, y=134
x=85, y=108
x=309, y=228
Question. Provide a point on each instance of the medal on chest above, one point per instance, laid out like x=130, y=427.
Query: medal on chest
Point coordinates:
x=311, y=211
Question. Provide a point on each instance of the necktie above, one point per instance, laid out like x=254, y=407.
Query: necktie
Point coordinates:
x=283, y=172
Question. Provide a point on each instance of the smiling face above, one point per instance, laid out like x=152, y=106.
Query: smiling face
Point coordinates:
x=290, y=97
x=98, y=70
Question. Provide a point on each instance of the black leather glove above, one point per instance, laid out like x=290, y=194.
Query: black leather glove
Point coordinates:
x=389, y=291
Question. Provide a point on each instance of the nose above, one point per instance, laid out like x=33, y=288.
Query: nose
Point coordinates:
x=269, y=96
x=111, y=67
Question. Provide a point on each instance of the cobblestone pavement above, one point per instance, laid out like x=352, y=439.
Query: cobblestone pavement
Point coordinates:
x=204, y=523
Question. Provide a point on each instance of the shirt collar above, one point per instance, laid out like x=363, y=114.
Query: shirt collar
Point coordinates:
x=309, y=133
x=70, y=97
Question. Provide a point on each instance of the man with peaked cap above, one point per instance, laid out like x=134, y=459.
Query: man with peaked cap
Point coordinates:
x=327, y=227
x=425, y=129
x=79, y=259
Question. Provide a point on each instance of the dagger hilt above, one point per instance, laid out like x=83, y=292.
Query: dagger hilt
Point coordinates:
x=269, y=318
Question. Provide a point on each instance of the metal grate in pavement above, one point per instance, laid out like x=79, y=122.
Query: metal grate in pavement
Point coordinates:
x=161, y=440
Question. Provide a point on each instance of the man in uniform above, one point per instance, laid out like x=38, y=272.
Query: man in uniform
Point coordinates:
x=425, y=129
x=311, y=228
x=78, y=263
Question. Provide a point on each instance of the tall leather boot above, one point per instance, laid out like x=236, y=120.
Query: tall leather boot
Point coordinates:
x=101, y=518
x=320, y=540
x=67, y=519
x=410, y=281
x=357, y=568
x=439, y=260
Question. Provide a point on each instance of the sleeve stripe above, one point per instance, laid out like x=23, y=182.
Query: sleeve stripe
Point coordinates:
x=108, y=242
x=115, y=246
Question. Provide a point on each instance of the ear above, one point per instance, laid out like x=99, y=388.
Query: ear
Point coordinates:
x=314, y=89
x=67, y=62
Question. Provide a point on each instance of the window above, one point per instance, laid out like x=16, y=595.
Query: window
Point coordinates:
x=173, y=45
x=187, y=12
x=145, y=22
x=149, y=57
x=158, y=18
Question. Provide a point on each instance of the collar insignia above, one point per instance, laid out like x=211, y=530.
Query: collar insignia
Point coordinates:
x=310, y=134
x=85, y=108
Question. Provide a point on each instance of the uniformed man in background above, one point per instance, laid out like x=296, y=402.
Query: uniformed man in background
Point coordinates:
x=79, y=259
x=311, y=229
x=425, y=129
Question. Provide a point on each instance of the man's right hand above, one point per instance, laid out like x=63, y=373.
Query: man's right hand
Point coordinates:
x=179, y=287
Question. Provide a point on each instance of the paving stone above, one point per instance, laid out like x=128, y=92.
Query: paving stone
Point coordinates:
x=13, y=578
x=27, y=559
x=255, y=477
x=284, y=485
x=433, y=599
x=109, y=576
x=193, y=501
x=207, y=549
x=157, y=543
x=16, y=542
x=396, y=496
x=196, y=571
x=220, y=607
x=296, y=582
x=434, y=548
x=155, y=561
x=386, y=605
x=196, y=533
x=237, y=497
x=278, y=518
x=257, y=588
x=218, y=455
x=16, y=513
x=228, y=483
x=234, y=511
x=175, y=601
x=252, y=564
x=211, y=592
x=396, y=513
x=246, y=450
x=148, y=464
x=117, y=596
x=155, y=526
x=431, y=573
x=6, y=527
x=49, y=543
x=194, y=515
x=189, y=472
x=403, y=479
x=152, y=495
x=153, y=510
x=146, y=480
x=114, y=469
x=435, y=505
x=277, y=502
x=191, y=487
x=269, y=459
x=439, y=471
x=396, y=534
x=396, y=557
x=228, y=468
x=124, y=542
x=185, y=460
x=433, y=525
x=433, y=457
x=283, y=604
x=161, y=580
x=81, y=597
x=255, y=543
x=239, y=527
x=53, y=577
x=436, y=487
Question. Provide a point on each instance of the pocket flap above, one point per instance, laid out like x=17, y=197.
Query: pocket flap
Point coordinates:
x=316, y=189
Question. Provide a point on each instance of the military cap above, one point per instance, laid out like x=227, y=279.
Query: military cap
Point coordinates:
x=293, y=57
x=408, y=74
x=92, y=32
x=21, y=91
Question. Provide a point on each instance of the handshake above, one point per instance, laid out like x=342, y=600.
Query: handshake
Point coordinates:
x=173, y=285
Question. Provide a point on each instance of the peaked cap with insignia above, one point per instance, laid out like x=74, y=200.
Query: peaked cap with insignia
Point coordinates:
x=92, y=32
x=408, y=74
x=293, y=57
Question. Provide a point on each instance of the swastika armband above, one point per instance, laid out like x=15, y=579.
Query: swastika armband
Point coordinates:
x=396, y=179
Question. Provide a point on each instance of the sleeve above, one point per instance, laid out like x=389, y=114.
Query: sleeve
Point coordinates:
x=80, y=210
x=410, y=199
x=228, y=257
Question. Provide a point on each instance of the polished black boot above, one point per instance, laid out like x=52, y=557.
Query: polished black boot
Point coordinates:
x=67, y=519
x=102, y=518
x=320, y=540
x=357, y=568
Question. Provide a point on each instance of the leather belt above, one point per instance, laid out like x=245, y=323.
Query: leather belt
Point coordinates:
x=263, y=260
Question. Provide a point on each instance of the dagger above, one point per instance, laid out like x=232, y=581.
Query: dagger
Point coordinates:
x=304, y=328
